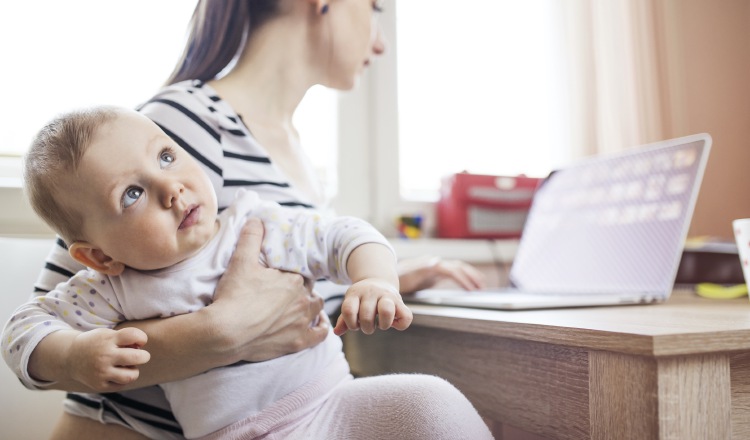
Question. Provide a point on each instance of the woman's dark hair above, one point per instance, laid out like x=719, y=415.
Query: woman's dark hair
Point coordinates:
x=217, y=31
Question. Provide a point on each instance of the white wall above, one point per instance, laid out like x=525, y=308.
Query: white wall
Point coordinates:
x=16, y=215
x=24, y=414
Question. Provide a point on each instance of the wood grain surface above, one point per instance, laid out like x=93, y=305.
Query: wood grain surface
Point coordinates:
x=678, y=370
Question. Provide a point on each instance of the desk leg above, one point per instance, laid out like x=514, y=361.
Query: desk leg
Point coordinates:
x=664, y=398
x=740, y=367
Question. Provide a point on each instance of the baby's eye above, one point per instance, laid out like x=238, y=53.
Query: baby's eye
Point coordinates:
x=166, y=158
x=377, y=6
x=131, y=196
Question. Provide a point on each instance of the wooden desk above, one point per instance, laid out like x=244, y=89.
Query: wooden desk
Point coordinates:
x=679, y=370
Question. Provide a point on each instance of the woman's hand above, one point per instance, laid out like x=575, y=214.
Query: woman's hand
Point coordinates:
x=424, y=272
x=277, y=308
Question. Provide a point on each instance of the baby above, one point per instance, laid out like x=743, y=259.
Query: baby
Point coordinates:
x=138, y=210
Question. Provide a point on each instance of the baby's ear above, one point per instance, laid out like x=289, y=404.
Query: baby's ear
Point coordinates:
x=93, y=257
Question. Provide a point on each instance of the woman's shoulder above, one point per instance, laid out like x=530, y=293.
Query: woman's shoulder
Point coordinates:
x=192, y=89
x=190, y=107
x=186, y=97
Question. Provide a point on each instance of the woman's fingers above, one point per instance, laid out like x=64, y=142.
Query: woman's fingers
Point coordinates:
x=465, y=275
x=249, y=244
x=284, y=311
x=423, y=273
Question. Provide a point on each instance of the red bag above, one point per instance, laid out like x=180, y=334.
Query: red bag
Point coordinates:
x=482, y=206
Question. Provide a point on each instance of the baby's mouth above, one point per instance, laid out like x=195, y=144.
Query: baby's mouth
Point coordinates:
x=190, y=217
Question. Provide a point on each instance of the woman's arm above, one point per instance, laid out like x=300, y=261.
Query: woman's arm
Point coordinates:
x=220, y=334
x=424, y=272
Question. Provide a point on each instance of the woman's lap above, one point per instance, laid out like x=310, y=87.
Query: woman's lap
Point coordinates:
x=70, y=427
x=403, y=406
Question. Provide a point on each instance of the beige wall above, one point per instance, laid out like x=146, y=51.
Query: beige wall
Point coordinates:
x=706, y=88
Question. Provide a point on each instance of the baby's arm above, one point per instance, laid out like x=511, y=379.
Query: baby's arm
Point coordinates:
x=341, y=249
x=374, y=294
x=98, y=359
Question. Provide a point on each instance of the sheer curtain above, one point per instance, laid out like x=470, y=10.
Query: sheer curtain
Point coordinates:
x=616, y=69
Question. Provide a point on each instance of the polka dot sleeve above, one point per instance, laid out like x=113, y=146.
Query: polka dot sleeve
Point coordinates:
x=84, y=302
x=312, y=244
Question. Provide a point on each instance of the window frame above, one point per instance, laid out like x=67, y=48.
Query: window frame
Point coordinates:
x=368, y=150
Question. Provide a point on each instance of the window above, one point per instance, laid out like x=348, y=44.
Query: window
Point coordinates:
x=84, y=52
x=474, y=85
x=508, y=105
x=62, y=55
x=479, y=89
x=317, y=123
x=73, y=53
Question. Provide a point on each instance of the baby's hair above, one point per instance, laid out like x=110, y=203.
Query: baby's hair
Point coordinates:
x=54, y=154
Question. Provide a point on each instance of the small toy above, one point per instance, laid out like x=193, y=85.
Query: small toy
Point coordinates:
x=409, y=226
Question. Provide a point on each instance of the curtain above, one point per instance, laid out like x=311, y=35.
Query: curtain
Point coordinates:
x=616, y=70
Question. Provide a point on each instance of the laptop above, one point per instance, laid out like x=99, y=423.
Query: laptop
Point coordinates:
x=608, y=230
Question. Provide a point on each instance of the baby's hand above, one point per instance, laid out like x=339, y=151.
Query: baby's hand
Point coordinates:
x=105, y=359
x=367, y=299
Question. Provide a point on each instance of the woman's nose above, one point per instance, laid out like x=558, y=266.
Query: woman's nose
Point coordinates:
x=378, y=42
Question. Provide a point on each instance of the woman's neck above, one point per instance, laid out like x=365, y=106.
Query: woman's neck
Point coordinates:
x=265, y=87
x=272, y=74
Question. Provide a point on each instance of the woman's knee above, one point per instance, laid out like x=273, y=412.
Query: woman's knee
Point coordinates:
x=444, y=409
x=423, y=387
x=418, y=396
x=418, y=406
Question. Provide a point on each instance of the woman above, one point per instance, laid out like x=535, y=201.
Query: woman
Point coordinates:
x=239, y=127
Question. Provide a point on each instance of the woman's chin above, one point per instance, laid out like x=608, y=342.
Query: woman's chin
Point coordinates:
x=343, y=84
x=351, y=84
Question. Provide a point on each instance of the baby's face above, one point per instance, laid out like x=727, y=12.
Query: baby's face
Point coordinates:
x=145, y=201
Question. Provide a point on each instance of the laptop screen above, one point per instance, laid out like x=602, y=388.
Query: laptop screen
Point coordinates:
x=613, y=224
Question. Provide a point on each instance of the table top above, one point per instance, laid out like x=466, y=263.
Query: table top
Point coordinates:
x=685, y=324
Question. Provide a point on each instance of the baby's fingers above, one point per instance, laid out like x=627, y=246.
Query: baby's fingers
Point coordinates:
x=350, y=313
x=130, y=337
x=129, y=354
x=124, y=375
x=403, y=318
x=126, y=360
x=368, y=308
x=386, y=313
x=132, y=357
x=340, y=327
